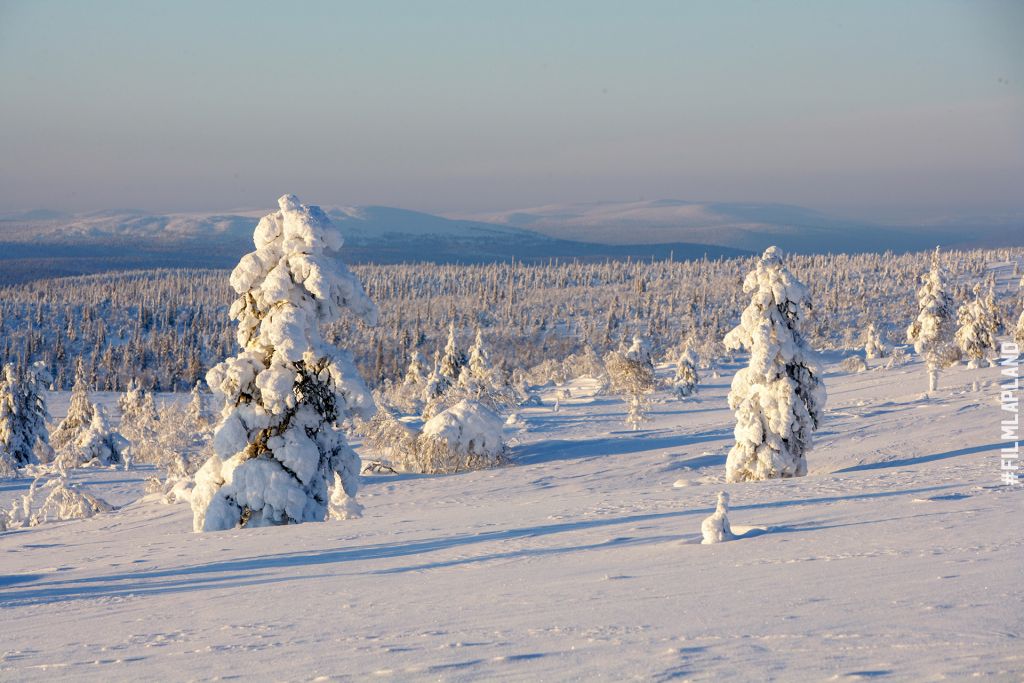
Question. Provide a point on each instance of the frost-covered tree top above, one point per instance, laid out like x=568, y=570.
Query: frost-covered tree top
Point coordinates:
x=279, y=444
x=779, y=398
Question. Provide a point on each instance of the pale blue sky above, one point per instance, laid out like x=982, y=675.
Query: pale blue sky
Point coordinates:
x=885, y=109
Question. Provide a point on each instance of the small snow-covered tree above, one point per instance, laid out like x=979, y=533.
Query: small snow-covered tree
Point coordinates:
x=978, y=325
x=140, y=422
x=416, y=373
x=874, y=347
x=79, y=417
x=933, y=330
x=453, y=359
x=98, y=444
x=631, y=374
x=23, y=414
x=779, y=397
x=279, y=442
x=687, y=378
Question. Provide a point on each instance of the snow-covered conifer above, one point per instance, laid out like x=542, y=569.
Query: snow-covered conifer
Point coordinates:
x=416, y=373
x=687, y=378
x=453, y=359
x=631, y=374
x=96, y=444
x=23, y=415
x=140, y=424
x=874, y=347
x=79, y=417
x=976, y=334
x=932, y=332
x=779, y=398
x=279, y=443
x=1018, y=332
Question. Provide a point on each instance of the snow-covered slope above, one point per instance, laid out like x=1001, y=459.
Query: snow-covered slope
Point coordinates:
x=748, y=226
x=898, y=557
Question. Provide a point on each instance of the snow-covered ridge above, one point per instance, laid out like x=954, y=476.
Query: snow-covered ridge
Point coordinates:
x=748, y=226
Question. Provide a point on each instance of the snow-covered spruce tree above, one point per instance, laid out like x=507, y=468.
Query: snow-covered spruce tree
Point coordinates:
x=1018, y=332
x=279, y=443
x=933, y=330
x=779, y=398
x=140, y=424
x=416, y=373
x=453, y=359
x=686, y=379
x=98, y=443
x=976, y=334
x=23, y=415
x=79, y=417
x=874, y=347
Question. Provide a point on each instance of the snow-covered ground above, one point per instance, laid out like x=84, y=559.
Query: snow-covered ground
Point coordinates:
x=898, y=557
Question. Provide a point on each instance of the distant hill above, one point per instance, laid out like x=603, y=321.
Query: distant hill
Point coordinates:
x=46, y=244
x=749, y=227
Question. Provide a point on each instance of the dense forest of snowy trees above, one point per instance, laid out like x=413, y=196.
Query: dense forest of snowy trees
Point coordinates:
x=167, y=327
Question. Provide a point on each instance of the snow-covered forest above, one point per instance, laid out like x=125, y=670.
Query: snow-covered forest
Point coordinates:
x=165, y=328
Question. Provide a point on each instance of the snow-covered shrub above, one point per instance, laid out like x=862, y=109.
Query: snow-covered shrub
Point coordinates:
x=687, y=378
x=853, y=364
x=23, y=415
x=279, y=444
x=715, y=527
x=978, y=325
x=1018, y=331
x=79, y=417
x=391, y=439
x=933, y=330
x=467, y=436
x=897, y=357
x=779, y=398
x=64, y=502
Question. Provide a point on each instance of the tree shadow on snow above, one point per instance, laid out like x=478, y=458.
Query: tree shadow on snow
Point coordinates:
x=620, y=444
x=907, y=462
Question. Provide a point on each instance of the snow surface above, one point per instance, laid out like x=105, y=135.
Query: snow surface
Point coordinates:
x=897, y=557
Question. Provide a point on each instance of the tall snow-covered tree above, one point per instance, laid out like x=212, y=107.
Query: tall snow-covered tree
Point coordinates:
x=79, y=417
x=279, y=443
x=1018, y=332
x=978, y=324
x=779, y=398
x=932, y=332
x=23, y=416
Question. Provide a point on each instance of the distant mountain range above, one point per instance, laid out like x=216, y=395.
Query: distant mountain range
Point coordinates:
x=45, y=243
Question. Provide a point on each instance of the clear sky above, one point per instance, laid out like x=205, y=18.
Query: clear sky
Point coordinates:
x=883, y=109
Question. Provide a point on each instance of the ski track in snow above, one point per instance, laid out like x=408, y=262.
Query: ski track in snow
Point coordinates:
x=899, y=557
